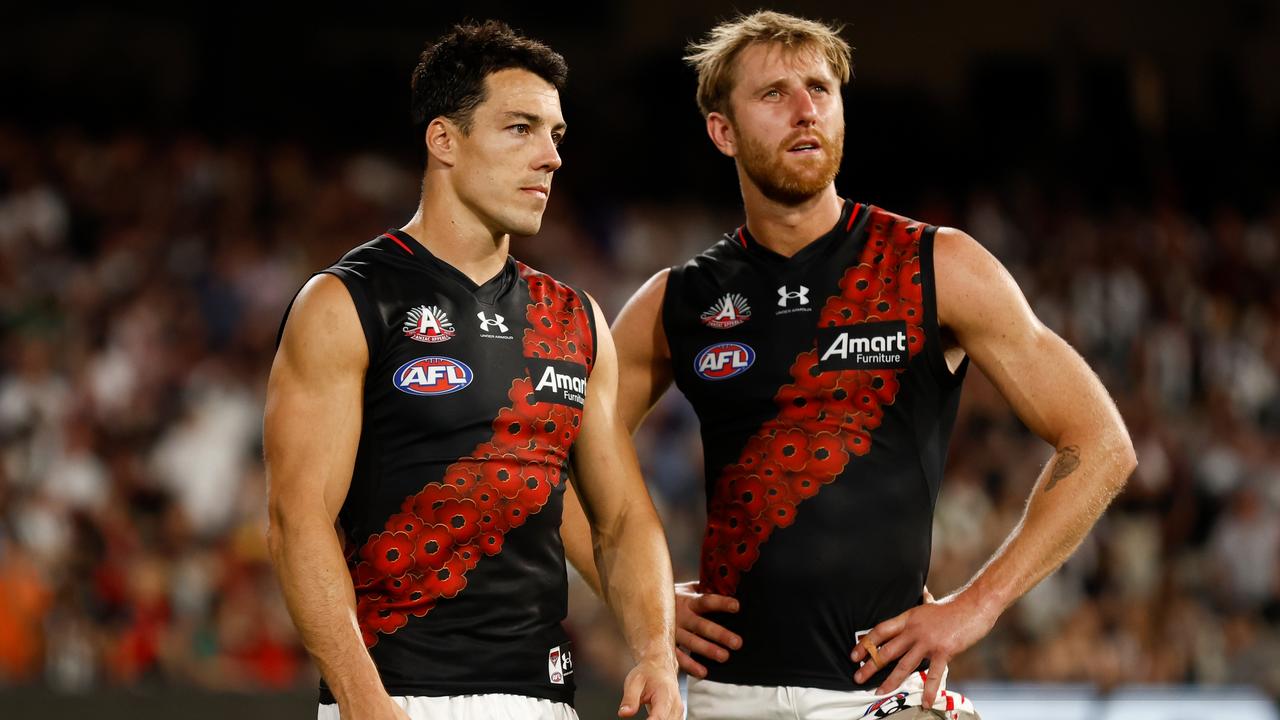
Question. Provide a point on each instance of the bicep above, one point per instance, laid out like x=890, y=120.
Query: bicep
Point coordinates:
x=314, y=401
x=643, y=356
x=1050, y=387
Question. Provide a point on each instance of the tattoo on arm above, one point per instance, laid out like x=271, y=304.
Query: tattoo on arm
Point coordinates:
x=1067, y=462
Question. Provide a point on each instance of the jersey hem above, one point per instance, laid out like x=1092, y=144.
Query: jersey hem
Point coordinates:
x=455, y=689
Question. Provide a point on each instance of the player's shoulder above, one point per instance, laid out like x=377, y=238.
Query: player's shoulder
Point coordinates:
x=383, y=250
x=726, y=251
x=877, y=215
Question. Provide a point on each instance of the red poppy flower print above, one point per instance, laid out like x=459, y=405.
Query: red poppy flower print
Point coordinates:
x=491, y=543
x=827, y=456
x=860, y=284
x=484, y=495
x=542, y=321
x=425, y=503
x=804, y=485
x=857, y=442
x=396, y=587
x=748, y=493
x=536, y=489
x=797, y=406
x=884, y=383
x=449, y=580
x=729, y=522
x=865, y=400
x=515, y=515
x=523, y=402
x=721, y=575
x=783, y=514
x=493, y=521
x=789, y=448
x=778, y=491
x=385, y=620
x=462, y=477
x=405, y=522
x=770, y=472
x=469, y=555
x=511, y=430
x=744, y=553
x=390, y=553
x=840, y=312
x=434, y=545
x=461, y=518
x=915, y=340
x=503, y=474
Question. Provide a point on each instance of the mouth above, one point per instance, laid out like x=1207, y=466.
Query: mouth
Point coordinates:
x=805, y=146
x=538, y=191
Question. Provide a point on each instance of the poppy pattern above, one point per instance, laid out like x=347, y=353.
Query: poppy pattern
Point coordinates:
x=423, y=555
x=824, y=419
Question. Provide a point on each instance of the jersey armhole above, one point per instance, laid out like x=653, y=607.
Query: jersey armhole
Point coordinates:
x=932, y=329
x=365, y=310
x=670, y=291
x=591, y=328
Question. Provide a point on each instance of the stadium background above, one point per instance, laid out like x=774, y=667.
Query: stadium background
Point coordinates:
x=169, y=178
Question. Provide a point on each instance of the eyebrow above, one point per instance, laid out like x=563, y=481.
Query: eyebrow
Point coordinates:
x=532, y=119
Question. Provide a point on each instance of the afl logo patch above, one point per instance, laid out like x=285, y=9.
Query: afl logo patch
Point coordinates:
x=723, y=360
x=432, y=376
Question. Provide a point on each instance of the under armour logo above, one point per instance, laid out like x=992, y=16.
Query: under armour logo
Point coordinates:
x=784, y=296
x=486, y=324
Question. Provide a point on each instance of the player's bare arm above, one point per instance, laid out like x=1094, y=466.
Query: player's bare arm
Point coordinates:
x=1054, y=392
x=644, y=369
x=630, y=549
x=311, y=431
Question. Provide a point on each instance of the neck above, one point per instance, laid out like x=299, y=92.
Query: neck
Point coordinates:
x=786, y=228
x=453, y=232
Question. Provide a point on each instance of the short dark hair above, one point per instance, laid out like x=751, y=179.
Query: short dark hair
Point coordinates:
x=449, y=79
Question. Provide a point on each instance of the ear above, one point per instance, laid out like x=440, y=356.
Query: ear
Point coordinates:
x=720, y=129
x=441, y=138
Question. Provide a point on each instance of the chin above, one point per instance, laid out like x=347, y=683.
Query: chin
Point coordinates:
x=526, y=227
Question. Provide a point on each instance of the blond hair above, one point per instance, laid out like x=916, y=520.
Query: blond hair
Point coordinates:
x=713, y=57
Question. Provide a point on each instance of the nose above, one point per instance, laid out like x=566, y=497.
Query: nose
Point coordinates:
x=548, y=157
x=804, y=111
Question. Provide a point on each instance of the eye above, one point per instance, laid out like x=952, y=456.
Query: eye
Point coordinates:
x=772, y=94
x=557, y=138
x=820, y=89
x=519, y=128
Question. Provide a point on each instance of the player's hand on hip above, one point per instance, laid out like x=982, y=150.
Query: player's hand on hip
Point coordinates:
x=652, y=683
x=937, y=630
x=696, y=634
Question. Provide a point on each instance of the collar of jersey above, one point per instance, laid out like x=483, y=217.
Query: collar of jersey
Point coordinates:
x=843, y=227
x=487, y=292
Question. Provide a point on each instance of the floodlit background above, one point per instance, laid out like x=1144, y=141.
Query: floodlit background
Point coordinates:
x=169, y=179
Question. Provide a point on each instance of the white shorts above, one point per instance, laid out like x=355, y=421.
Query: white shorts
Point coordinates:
x=723, y=701
x=492, y=706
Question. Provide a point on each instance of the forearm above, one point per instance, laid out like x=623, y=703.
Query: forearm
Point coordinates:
x=318, y=592
x=1070, y=495
x=635, y=573
x=575, y=533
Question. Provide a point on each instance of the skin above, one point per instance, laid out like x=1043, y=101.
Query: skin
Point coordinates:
x=479, y=188
x=982, y=313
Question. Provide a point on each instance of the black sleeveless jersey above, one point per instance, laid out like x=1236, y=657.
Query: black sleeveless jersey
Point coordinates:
x=472, y=400
x=825, y=406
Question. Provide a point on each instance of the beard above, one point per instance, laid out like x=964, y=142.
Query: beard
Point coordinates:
x=792, y=182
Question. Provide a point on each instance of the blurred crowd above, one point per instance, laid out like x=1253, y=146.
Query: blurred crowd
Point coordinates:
x=142, y=281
